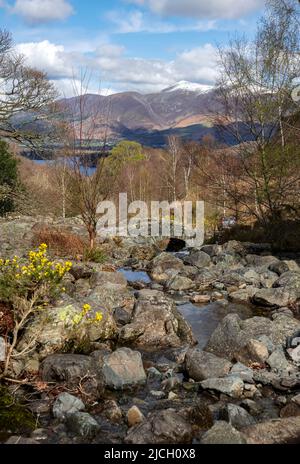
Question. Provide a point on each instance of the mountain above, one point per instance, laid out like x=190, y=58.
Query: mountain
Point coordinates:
x=185, y=109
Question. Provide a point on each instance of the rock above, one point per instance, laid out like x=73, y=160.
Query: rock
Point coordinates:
x=243, y=372
x=267, y=342
x=153, y=373
x=198, y=259
x=278, y=362
x=234, y=247
x=231, y=386
x=292, y=265
x=238, y=417
x=134, y=416
x=54, y=327
x=200, y=299
x=290, y=410
x=254, y=352
x=32, y=366
x=83, y=424
x=162, y=427
x=123, y=369
x=201, y=365
x=212, y=250
x=259, y=261
x=17, y=440
x=81, y=271
x=279, y=267
x=112, y=411
x=180, y=283
x=282, y=431
x=157, y=394
x=102, y=278
x=252, y=407
x=223, y=433
x=66, y=404
x=243, y=295
x=172, y=396
x=295, y=354
x=296, y=399
x=2, y=349
x=289, y=280
x=156, y=323
x=121, y=316
x=165, y=266
x=273, y=297
x=233, y=334
x=252, y=277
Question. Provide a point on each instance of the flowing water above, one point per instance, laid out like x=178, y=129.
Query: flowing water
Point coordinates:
x=135, y=276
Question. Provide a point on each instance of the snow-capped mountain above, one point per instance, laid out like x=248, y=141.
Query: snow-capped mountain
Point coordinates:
x=186, y=86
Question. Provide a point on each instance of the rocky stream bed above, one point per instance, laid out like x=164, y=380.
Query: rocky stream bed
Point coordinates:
x=198, y=346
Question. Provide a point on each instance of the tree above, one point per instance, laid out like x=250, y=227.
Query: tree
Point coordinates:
x=255, y=88
x=8, y=179
x=22, y=89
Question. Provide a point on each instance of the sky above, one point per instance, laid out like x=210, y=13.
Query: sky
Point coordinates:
x=126, y=45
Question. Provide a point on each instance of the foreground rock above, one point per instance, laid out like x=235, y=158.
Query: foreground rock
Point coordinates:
x=223, y=433
x=231, y=386
x=165, y=266
x=123, y=369
x=282, y=431
x=233, y=334
x=83, y=424
x=156, y=323
x=66, y=404
x=163, y=427
x=201, y=365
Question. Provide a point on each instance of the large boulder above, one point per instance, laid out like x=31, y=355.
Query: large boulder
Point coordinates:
x=180, y=283
x=123, y=369
x=161, y=428
x=156, y=322
x=165, y=266
x=279, y=431
x=201, y=365
x=223, y=433
x=274, y=297
x=233, y=334
x=238, y=417
x=260, y=261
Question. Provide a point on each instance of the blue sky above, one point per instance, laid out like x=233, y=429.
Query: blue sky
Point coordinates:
x=139, y=45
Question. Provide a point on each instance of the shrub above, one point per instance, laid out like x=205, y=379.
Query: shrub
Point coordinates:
x=60, y=242
x=95, y=255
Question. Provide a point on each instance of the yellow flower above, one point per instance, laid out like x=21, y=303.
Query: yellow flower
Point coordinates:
x=98, y=317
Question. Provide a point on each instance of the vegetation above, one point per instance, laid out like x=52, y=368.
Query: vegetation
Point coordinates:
x=8, y=179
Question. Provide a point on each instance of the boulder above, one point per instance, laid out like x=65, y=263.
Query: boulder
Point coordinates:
x=165, y=266
x=274, y=297
x=243, y=295
x=156, y=323
x=66, y=404
x=279, y=267
x=123, y=369
x=102, y=278
x=253, y=352
x=134, y=416
x=279, y=431
x=162, y=427
x=278, y=362
x=238, y=417
x=243, y=372
x=260, y=261
x=223, y=433
x=230, y=385
x=289, y=280
x=198, y=259
x=201, y=365
x=180, y=283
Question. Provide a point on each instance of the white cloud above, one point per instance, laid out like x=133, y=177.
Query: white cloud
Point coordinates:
x=114, y=70
x=212, y=9
x=42, y=11
x=136, y=21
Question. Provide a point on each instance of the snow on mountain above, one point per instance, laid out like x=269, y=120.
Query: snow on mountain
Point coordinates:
x=186, y=86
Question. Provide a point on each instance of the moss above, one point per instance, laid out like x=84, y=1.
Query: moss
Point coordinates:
x=13, y=415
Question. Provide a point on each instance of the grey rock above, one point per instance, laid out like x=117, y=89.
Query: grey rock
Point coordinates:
x=278, y=362
x=280, y=431
x=231, y=386
x=295, y=354
x=165, y=266
x=162, y=427
x=238, y=417
x=273, y=297
x=296, y=399
x=156, y=323
x=212, y=250
x=198, y=259
x=201, y=365
x=180, y=283
x=243, y=295
x=66, y=404
x=223, y=433
x=123, y=369
x=279, y=267
x=257, y=261
x=101, y=278
x=2, y=349
x=17, y=440
x=289, y=280
x=267, y=342
x=83, y=424
x=252, y=407
x=68, y=368
x=242, y=371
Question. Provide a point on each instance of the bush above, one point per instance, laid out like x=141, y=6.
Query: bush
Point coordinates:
x=60, y=243
x=8, y=179
x=95, y=255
